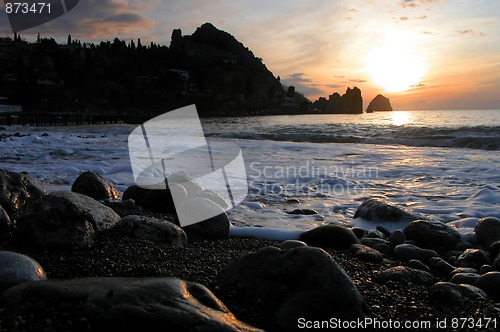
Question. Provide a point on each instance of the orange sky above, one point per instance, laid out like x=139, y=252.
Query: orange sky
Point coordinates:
x=441, y=54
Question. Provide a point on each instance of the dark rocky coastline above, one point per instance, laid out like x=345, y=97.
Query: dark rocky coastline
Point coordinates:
x=399, y=276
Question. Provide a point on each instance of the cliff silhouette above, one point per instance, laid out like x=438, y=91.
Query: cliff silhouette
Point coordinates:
x=351, y=102
x=209, y=68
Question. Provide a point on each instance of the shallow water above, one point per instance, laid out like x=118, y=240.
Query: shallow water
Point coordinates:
x=457, y=185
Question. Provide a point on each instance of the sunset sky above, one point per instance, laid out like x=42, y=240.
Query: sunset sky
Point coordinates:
x=422, y=54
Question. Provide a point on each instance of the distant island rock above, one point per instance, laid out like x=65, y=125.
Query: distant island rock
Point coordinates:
x=351, y=102
x=379, y=104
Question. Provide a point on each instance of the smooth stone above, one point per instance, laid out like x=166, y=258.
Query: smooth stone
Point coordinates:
x=465, y=278
x=158, y=200
x=384, y=248
x=446, y=293
x=301, y=282
x=290, y=244
x=329, y=236
x=217, y=199
x=4, y=219
x=64, y=219
x=192, y=187
x=462, y=270
x=128, y=204
x=405, y=274
x=375, y=234
x=408, y=252
x=17, y=268
x=152, y=229
x=305, y=212
x=494, y=248
x=496, y=263
x=485, y=269
x=216, y=227
x=397, y=237
x=440, y=265
x=490, y=283
x=433, y=235
x=487, y=231
x=366, y=253
x=17, y=189
x=372, y=241
x=474, y=258
x=359, y=232
x=131, y=304
x=380, y=211
x=416, y=264
x=95, y=186
x=384, y=231
x=292, y=201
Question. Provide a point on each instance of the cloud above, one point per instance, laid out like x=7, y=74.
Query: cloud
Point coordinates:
x=357, y=80
x=334, y=86
x=403, y=18
x=302, y=84
x=415, y=3
x=470, y=32
x=423, y=17
x=419, y=85
x=94, y=20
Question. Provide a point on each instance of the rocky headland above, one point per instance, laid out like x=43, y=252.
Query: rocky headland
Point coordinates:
x=83, y=260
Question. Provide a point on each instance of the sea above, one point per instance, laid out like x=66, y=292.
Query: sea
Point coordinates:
x=442, y=164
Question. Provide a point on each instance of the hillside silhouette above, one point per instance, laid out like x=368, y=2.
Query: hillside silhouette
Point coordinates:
x=209, y=68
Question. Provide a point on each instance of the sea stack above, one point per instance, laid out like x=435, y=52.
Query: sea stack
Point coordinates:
x=379, y=104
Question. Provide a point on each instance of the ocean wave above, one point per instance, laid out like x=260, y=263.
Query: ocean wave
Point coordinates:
x=480, y=137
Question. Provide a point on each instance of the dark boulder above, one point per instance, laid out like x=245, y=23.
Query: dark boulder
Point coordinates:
x=366, y=253
x=446, y=293
x=301, y=282
x=330, y=236
x=17, y=189
x=405, y=274
x=408, y=252
x=17, y=268
x=64, y=219
x=131, y=304
x=153, y=200
x=152, y=229
x=4, y=219
x=93, y=185
x=215, y=226
x=474, y=258
x=487, y=231
x=379, y=211
x=432, y=235
x=490, y=283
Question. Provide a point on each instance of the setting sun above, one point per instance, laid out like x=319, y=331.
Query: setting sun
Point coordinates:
x=394, y=67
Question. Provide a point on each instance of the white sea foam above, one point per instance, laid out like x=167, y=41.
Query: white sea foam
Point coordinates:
x=451, y=185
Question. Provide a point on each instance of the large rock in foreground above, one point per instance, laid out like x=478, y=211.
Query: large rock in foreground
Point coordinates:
x=93, y=185
x=432, y=235
x=16, y=189
x=380, y=211
x=64, y=219
x=303, y=282
x=128, y=304
x=17, y=268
